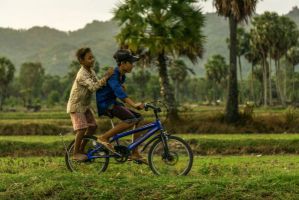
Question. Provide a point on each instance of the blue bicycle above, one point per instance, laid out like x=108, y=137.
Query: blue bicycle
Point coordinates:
x=168, y=154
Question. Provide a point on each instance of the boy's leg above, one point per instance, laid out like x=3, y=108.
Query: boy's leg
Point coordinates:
x=122, y=126
x=138, y=116
x=80, y=126
x=92, y=126
x=90, y=131
x=78, y=140
x=128, y=121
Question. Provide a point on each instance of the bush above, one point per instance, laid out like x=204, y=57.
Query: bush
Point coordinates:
x=31, y=129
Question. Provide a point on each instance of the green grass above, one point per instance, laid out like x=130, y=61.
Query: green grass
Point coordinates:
x=212, y=177
x=61, y=113
x=50, y=139
x=199, y=120
x=215, y=144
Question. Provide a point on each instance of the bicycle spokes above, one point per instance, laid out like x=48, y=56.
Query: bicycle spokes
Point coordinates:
x=176, y=161
x=96, y=164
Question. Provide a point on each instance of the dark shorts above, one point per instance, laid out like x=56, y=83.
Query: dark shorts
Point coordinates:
x=124, y=114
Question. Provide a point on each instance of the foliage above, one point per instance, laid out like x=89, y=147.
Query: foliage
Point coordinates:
x=31, y=78
x=7, y=70
x=164, y=28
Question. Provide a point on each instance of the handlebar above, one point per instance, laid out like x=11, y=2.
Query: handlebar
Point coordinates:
x=151, y=106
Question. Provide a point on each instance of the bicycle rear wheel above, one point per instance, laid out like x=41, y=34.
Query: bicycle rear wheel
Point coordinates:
x=178, y=160
x=96, y=165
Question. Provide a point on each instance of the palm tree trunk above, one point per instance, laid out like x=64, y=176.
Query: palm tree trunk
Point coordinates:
x=240, y=68
x=241, y=79
x=270, y=82
x=232, y=110
x=265, y=80
x=281, y=85
x=277, y=80
x=166, y=90
x=251, y=84
x=293, y=84
x=285, y=83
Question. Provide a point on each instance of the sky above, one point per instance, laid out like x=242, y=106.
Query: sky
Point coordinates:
x=70, y=15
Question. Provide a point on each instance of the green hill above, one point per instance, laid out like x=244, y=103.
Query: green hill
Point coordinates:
x=55, y=49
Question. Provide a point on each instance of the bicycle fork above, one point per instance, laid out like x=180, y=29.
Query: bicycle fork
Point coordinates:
x=164, y=139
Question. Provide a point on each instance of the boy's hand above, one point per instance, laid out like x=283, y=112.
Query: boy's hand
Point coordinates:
x=109, y=72
x=139, y=106
x=124, y=87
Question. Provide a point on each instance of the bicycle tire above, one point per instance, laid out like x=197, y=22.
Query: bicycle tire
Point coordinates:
x=68, y=154
x=170, y=138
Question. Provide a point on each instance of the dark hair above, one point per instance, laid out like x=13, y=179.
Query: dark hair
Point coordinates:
x=82, y=52
x=124, y=55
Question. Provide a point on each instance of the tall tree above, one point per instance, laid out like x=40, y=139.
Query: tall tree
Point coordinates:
x=272, y=36
x=255, y=58
x=217, y=72
x=293, y=58
x=236, y=11
x=288, y=38
x=243, y=39
x=141, y=77
x=164, y=27
x=178, y=73
x=31, y=79
x=50, y=84
x=7, y=70
x=262, y=42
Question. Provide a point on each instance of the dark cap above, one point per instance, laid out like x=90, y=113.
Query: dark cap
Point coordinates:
x=124, y=55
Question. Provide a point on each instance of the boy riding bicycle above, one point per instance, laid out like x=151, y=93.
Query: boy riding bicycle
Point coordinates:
x=106, y=98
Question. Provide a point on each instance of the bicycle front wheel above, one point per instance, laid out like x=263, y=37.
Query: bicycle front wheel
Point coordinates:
x=96, y=165
x=177, y=160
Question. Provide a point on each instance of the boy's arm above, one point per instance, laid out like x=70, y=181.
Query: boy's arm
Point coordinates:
x=120, y=93
x=133, y=104
x=94, y=85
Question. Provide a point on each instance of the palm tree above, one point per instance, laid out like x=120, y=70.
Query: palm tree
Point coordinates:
x=217, y=72
x=254, y=57
x=169, y=27
x=236, y=11
x=242, y=46
x=263, y=40
x=272, y=36
x=178, y=73
x=286, y=36
x=293, y=58
x=141, y=77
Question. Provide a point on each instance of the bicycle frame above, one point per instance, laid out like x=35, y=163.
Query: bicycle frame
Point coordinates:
x=151, y=127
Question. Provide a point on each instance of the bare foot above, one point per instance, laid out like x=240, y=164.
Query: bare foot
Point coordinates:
x=106, y=144
x=79, y=157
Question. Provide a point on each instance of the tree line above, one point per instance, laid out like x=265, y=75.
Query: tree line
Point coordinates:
x=166, y=33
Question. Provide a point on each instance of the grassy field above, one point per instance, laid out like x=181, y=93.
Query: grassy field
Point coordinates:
x=200, y=119
x=214, y=144
x=212, y=177
x=226, y=166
